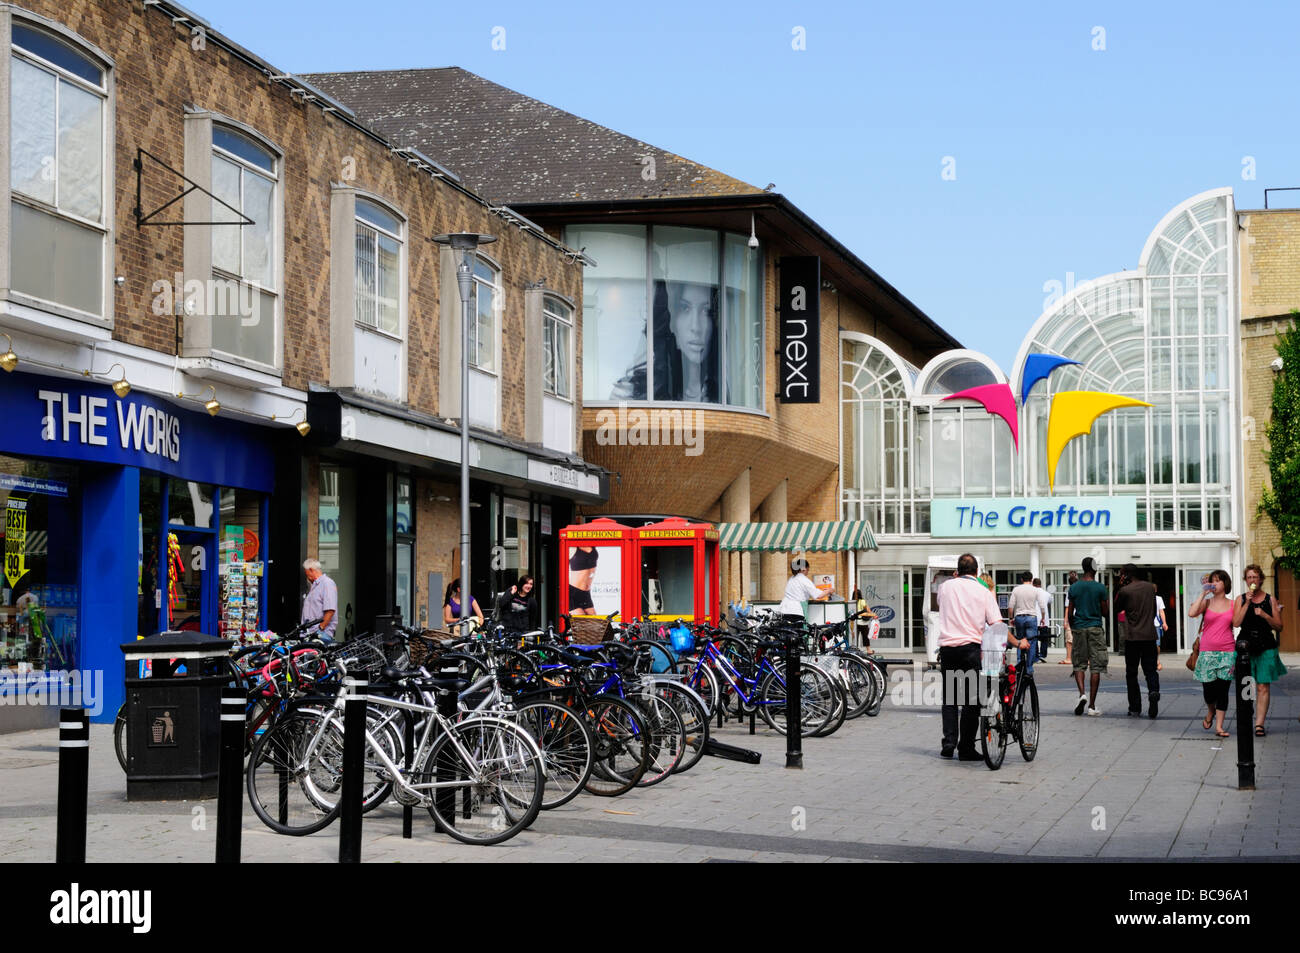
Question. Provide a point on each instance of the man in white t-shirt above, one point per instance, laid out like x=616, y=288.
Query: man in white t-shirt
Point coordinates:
x=799, y=589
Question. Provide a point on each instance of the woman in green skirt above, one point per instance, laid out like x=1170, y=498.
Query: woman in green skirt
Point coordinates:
x=1260, y=619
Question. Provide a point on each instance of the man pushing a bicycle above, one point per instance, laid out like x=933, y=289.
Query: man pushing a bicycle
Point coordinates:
x=966, y=608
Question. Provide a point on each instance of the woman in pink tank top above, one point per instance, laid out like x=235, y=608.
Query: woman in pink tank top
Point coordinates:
x=1218, y=648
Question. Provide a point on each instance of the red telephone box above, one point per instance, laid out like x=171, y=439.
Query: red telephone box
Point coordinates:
x=676, y=572
x=599, y=559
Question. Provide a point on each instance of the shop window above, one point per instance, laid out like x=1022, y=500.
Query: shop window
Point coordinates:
x=189, y=503
x=241, y=517
x=245, y=176
x=404, y=534
x=336, y=538
x=38, y=615
x=58, y=167
x=671, y=314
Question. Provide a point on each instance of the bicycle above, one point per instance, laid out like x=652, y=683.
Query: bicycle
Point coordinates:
x=1012, y=712
x=266, y=698
x=481, y=779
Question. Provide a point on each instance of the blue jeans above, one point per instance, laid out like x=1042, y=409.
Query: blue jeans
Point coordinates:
x=1027, y=628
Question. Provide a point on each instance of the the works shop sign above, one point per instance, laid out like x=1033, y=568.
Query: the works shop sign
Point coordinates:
x=799, y=358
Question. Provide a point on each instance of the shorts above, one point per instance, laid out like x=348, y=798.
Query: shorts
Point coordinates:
x=580, y=599
x=1090, y=648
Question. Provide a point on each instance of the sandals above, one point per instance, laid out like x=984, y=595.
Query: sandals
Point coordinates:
x=1224, y=734
x=1260, y=731
x=1208, y=722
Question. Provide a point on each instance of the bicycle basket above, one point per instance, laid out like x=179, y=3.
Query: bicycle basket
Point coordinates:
x=589, y=630
x=425, y=648
x=364, y=653
x=682, y=639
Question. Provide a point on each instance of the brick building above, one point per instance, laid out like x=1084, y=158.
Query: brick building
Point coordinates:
x=682, y=313
x=199, y=254
x=1269, y=240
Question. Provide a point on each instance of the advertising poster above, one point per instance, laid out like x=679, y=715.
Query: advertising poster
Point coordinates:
x=595, y=580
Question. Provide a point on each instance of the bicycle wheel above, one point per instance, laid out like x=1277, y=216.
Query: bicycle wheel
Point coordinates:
x=695, y=720
x=858, y=683
x=994, y=728
x=701, y=679
x=281, y=789
x=500, y=785
x=1026, y=721
x=566, y=746
x=119, y=736
x=620, y=756
x=653, y=658
x=878, y=676
x=838, y=713
x=816, y=705
x=666, y=737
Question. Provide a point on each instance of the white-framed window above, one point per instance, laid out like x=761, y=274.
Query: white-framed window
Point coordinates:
x=378, y=282
x=483, y=318
x=245, y=176
x=59, y=170
x=557, y=339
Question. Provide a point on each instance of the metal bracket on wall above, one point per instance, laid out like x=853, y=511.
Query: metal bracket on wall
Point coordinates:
x=142, y=219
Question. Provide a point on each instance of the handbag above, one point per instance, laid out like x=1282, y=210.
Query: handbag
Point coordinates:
x=1196, y=653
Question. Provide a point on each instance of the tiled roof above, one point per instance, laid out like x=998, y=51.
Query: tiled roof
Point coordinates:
x=513, y=149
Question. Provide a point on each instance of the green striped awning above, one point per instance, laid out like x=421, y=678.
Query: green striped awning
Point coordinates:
x=833, y=536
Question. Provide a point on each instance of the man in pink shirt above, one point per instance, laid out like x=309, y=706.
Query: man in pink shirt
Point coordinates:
x=966, y=608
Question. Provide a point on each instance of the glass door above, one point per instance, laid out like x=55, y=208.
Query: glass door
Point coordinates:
x=883, y=591
x=191, y=602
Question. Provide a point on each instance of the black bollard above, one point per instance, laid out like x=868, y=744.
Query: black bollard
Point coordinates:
x=354, y=749
x=793, y=708
x=1245, y=721
x=230, y=776
x=408, y=740
x=74, y=774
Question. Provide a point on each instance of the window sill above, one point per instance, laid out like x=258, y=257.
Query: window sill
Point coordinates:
x=30, y=315
x=650, y=404
x=225, y=371
x=396, y=338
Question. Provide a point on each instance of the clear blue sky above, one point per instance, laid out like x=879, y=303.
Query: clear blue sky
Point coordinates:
x=1065, y=156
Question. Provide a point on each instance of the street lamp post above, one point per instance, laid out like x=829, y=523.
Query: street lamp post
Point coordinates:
x=465, y=243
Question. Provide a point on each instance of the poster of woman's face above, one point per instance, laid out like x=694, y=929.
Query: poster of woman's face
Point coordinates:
x=686, y=342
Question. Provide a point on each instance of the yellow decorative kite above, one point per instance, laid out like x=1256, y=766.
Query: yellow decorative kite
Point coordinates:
x=1073, y=414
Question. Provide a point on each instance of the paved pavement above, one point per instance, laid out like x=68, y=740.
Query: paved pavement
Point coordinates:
x=1109, y=788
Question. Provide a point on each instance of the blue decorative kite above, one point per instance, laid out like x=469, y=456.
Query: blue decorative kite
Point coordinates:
x=1037, y=368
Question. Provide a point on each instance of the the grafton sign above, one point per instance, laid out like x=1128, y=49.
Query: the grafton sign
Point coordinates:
x=1045, y=516
x=799, y=353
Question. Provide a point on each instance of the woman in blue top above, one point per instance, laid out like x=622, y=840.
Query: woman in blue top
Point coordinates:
x=451, y=605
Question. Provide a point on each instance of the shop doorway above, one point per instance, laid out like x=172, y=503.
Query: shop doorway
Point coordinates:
x=1165, y=579
x=193, y=595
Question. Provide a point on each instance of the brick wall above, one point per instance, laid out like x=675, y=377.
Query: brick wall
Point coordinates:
x=158, y=71
x=1269, y=244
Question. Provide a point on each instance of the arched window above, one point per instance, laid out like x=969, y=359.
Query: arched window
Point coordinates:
x=875, y=410
x=245, y=177
x=378, y=281
x=58, y=170
x=1160, y=334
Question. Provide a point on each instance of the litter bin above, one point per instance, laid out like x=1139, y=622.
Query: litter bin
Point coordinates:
x=173, y=716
